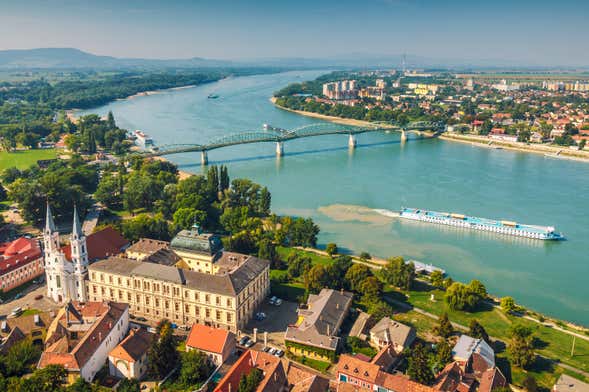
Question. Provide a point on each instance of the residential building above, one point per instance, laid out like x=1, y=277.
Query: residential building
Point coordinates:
x=301, y=380
x=224, y=297
x=33, y=326
x=82, y=335
x=129, y=358
x=274, y=380
x=473, y=368
x=217, y=344
x=354, y=374
x=390, y=332
x=340, y=90
x=66, y=269
x=315, y=334
x=20, y=261
x=567, y=383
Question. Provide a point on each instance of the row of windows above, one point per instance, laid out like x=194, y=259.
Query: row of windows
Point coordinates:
x=20, y=272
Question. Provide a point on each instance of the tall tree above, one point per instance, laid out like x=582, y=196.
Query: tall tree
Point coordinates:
x=521, y=347
x=110, y=120
x=476, y=330
x=419, y=369
x=444, y=328
x=162, y=355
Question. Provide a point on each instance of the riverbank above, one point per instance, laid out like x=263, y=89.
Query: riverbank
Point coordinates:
x=550, y=151
x=338, y=120
x=556, y=152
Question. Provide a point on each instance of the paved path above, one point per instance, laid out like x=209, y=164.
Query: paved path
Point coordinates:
x=91, y=219
x=28, y=301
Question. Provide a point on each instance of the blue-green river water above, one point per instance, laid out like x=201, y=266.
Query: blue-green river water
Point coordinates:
x=320, y=178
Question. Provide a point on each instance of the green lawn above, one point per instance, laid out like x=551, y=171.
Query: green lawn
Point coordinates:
x=321, y=366
x=315, y=258
x=24, y=159
x=30, y=312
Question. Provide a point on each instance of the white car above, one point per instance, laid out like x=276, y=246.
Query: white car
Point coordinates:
x=278, y=302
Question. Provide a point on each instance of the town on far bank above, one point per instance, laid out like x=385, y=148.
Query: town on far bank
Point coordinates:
x=523, y=110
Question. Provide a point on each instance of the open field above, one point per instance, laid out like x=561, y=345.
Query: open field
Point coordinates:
x=24, y=159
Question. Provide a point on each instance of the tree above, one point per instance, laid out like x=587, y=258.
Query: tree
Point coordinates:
x=162, y=355
x=465, y=297
x=303, y=232
x=249, y=382
x=379, y=309
x=521, y=348
x=129, y=385
x=356, y=274
x=110, y=120
x=267, y=251
x=144, y=225
x=195, y=368
x=371, y=288
x=364, y=256
x=186, y=218
x=298, y=265
x=418, y=368
x=507, y=304
x=81, y=385
x=443, y=353
x=444, y=329
x=398, y=273
x=20, y=357
x=530, y=384
x=108, y=191
x=476, y=330
x=331, y=249
x=223, y=179
x=437, y=279
x=582, y=144
x=317, y=278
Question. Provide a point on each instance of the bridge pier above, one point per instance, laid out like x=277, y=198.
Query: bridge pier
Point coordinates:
x=279, y=149
x=352, y=141
x=403, y=135
x=204, y=159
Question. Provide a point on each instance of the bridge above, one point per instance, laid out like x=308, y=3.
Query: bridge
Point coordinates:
x=271, y=134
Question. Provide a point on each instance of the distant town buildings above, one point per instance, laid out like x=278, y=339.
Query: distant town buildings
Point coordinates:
x=20, y=261
x=503, y=86
x=82, y=335
x=565, y=86
x=340, y=90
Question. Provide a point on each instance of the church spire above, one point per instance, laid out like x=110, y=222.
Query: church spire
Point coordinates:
x=76, y=228
x=49, y=225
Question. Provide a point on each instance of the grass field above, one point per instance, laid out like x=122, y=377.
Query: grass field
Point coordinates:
x=24, y=159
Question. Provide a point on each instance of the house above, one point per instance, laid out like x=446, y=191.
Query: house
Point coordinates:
x=82, y=335
x=355, y=375
x=129, y=358
x=536, y=137
x=274, y=377
x=20, y=261
x=33, y=326
x=217, y=344
x=390, y=332
x=301, y=380
x=315, y=334
x=569, y=384
x=473, y=368
x=144, y=248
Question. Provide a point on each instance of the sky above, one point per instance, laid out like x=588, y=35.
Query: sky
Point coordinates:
x=520, y=31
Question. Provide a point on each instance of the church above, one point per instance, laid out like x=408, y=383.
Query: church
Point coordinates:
x=66, y=268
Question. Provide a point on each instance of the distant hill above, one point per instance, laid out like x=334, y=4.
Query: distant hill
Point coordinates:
x=75, y=58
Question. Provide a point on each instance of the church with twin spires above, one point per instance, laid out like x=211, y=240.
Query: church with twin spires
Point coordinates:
x=66, y=279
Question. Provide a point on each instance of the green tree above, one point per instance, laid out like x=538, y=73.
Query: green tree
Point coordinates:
x=185, y=218
x=476, y=330
x=146, y=226
x=521, y=348
x=267, y=251
x=223, y=179
x=108, y=191
x=371, y=288
x=465, y=297
x=162, y=354
x=379, y=309
x=298, y=265
x=195, y=369
x=317, y=278
x=365, y=256
x=398, y=273
x=331, y=249
x=110, y=120
x=508, y=304
x=443, y=353
x=129, y=385
x=437, y=279
x=418, y=368
x=303, y=232
x=249, y=382
x=81, y=385
x=444, y=328
x=356, y=275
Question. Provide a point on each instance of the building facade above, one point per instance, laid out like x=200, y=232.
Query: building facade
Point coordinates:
x=217, y=344
x=226, y=296
x=129, y=358
x=65, y=279
x=20, y=261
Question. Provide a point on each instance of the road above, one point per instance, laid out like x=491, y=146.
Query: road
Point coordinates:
x=28, y=301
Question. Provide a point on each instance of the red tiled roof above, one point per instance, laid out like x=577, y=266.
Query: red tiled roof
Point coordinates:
x=17, y=253
x=208, y=339
x=491, y=379
x=274, y=375
x=103, y=243
x=134, y=346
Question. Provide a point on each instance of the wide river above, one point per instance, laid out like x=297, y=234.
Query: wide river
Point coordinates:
x=318, y=177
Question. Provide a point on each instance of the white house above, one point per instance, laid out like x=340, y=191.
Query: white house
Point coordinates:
x=129, y=358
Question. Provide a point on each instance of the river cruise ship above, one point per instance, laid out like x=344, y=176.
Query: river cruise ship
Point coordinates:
x=471, y=222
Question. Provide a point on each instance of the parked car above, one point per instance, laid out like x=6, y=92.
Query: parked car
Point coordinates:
x=38, y=297
x=18, y=296
x=278, y=302
x=279, y=353
x=273, y=300
x=260, y=316
x=273, y=351
x=249, y=343
x=266, y=349
x=243, y=340
x=142, y=319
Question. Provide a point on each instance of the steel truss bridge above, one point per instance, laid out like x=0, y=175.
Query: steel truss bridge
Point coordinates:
x=276, y=135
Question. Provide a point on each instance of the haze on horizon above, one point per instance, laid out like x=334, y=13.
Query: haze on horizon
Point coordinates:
x=535, y=33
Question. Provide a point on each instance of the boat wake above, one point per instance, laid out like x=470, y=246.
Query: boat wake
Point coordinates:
x=389, y=213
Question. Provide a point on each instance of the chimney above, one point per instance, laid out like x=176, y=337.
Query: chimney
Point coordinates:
x=229, y=387
x=100, y=336
x=337, y=306
x=328, y=329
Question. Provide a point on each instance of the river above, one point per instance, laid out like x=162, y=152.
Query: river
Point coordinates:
x=318, y=177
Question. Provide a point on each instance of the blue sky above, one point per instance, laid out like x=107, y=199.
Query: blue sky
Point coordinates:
x=528, y=32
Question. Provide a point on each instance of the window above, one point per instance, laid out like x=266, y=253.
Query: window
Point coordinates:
x=196, y=310
x=94, y=289
x=229, y=302
x=207, y=298
x=129, y=297
x=167, y=304
x=229, y=318
x=58, y=278
x=93, y=275
x=218, y=300
x=187, y=308
x=218, y=315
x=110, y=279
x=119, y=281
x=146, y=300
x=157, y=302
x=207, y=312
x=176, y=306
x=196, y=295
